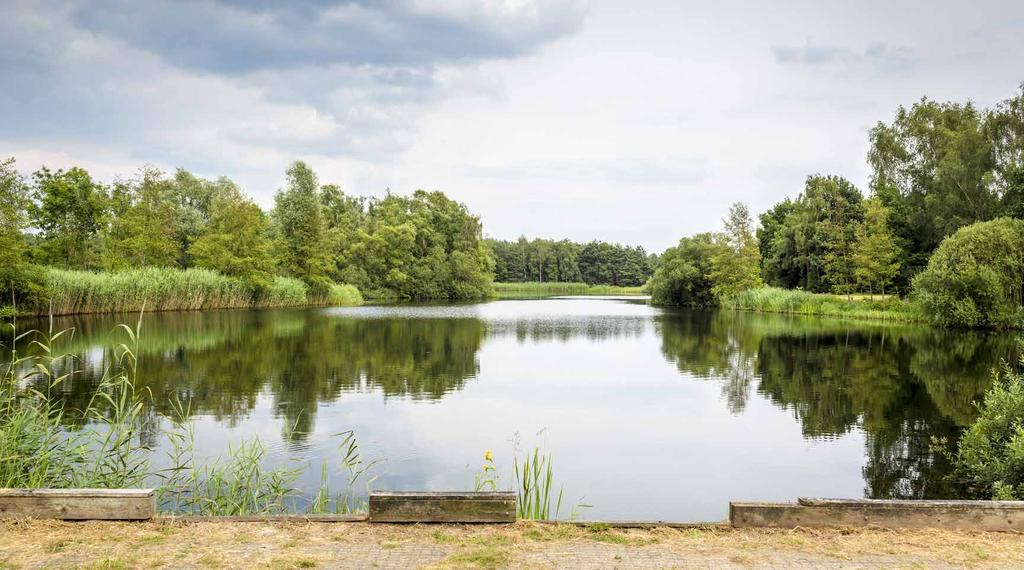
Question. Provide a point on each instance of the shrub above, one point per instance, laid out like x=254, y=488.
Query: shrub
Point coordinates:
x=682, y=277
x=282, y=292
x=343, y=296
x=989, y=460
x=975, y=277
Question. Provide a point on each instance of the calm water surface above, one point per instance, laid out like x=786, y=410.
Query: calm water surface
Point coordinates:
x=650, y=413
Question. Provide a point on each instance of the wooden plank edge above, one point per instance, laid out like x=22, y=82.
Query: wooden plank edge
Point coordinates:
x=910, y=503
x=78, y=493
x=263, y=518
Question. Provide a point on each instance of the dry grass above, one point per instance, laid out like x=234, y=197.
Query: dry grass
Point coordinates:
x=166, y=544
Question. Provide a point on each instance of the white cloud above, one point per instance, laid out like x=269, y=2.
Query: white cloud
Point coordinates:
x=634, y=122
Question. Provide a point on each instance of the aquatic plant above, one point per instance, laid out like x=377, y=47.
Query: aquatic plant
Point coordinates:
x=167, y=289
x=38, y=448
x=535, y=483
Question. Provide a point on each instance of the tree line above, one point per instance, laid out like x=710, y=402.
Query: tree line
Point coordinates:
x=594, y=263
x=419, y=246
x=937, y=167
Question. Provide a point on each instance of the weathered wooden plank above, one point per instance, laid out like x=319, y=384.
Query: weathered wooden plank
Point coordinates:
x=960, y=515
x=78, y=504
x=901, y=503
x=266, y=518
x=411, y=506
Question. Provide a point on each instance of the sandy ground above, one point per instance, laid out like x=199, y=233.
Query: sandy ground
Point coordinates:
x=177, y=544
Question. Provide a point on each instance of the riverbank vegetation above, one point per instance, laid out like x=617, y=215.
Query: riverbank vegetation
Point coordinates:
x=940, y=227
x=796, y=302
x=533, y=289
x=989, y=458
x=107, y=445
x=204, y=244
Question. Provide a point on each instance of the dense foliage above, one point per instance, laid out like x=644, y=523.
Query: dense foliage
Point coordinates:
x=683, y=277
x=941, y=166
x=593, y=263
x=706, y=268
x=415, y=247
x=808, y=243
x=989, y=459
x=976, y=276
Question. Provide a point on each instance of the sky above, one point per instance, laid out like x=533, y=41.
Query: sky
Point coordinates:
x=633, y=122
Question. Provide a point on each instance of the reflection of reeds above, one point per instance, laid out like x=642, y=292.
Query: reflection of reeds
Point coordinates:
x=37, y=450
x=534, y=487
x=535, y=289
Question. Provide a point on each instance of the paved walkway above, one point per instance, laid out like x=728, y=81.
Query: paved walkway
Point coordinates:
x=48, y=544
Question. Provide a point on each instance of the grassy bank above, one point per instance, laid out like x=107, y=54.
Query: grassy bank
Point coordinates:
x=536, y=289
x=787, y=301
x=70, y=292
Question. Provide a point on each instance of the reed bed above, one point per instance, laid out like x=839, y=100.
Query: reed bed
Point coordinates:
x=795, y=302
x=169, y=289
x=537, y=289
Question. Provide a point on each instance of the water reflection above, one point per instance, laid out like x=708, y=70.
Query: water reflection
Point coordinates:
x=897, y=385
x=901, y=385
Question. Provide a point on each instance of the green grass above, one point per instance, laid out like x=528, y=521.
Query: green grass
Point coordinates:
x=169, y=289
x=794, y=302
x=534, y=289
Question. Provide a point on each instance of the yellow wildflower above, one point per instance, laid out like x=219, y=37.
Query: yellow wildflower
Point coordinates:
x=487, y=456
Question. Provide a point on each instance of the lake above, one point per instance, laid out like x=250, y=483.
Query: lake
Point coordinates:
x=650, y=414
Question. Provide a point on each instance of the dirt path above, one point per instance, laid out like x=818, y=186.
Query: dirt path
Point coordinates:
x=48, y=544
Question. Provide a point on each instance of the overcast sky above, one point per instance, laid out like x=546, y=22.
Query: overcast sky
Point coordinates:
x=635, y=122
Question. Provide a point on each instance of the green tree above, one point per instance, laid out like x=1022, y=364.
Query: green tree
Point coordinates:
x=810, y=247
x=737, y=265
x=13, y=215
x=934, y=167
x=300, y=230
x=772, y=224
x=194, y=197
x=145, y=230
x=234, y=241
x=875, y=252
x=976, y=276
x=683, y=274
x=70, y=212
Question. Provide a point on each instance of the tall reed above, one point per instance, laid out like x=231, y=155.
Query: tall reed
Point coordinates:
x=166, y=289
x=795, y=302
x=535, y=484
x=38, y=449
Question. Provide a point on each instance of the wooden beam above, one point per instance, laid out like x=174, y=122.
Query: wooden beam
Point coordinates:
x=451, y=507
x=960, y=515
x=78, y=504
